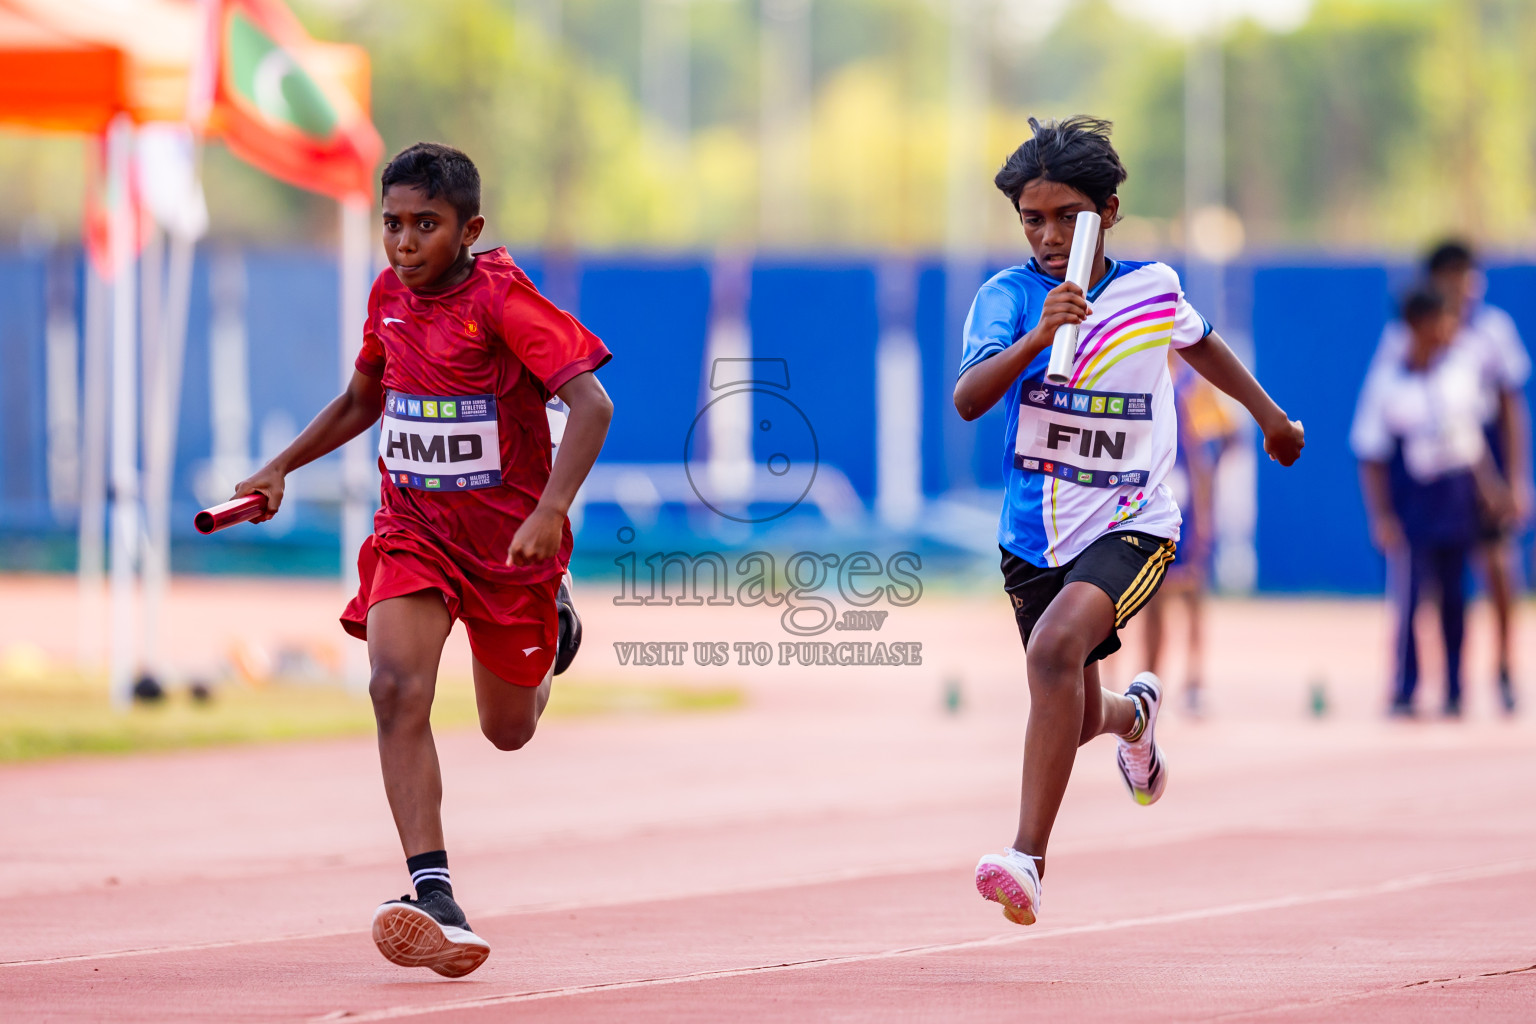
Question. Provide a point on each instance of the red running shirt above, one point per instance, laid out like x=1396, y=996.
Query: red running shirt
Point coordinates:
x=493, y=335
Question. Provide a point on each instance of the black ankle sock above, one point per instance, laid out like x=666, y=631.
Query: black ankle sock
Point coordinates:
x=429, y=872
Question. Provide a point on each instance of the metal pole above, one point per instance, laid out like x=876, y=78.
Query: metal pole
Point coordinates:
x=163, y=395
x=1204, y=187
x=730, y=337
x=229, y=392
x=784, y=88
x=1212, y=235
x=546, y=14
x=151, y=366
x=965, y=216
x=664, y=73
x=95, y=405
x=62, y=343
x=899, y=409
x=358, y=500
x=125, y=435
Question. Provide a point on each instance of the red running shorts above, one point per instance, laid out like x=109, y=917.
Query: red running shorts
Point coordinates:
x=513, y=628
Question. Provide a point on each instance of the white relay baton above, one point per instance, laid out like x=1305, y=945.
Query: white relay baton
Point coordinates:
x=1085, y=242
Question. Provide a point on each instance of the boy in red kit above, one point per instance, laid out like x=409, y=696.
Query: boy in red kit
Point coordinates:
x=460, y=354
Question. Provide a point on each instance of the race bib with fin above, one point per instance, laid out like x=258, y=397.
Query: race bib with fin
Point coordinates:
x=1092, y=438
x=432, y=443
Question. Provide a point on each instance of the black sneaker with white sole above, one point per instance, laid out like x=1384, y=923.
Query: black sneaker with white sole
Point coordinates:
x=570, y=627
x=429, y=932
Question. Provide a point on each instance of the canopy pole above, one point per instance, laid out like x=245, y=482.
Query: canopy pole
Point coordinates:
x=125, y=435
x=95, y=404
x=163, y=393
x=357, y=504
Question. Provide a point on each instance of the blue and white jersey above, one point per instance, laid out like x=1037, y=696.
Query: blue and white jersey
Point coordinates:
x=1092, y=456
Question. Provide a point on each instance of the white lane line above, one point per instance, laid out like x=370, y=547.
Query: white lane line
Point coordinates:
x=1171, y=838
x=553, y=906
x=1396, y=885
x=1370, y=993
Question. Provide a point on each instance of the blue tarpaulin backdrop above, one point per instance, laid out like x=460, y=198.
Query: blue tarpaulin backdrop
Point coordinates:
x=1313, y=327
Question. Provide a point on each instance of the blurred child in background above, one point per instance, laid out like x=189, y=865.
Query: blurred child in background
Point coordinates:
x=1205, y=430
x=1491, y=341
x=1428, y=478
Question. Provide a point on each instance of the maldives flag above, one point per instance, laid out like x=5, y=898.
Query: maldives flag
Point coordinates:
x=292, y=106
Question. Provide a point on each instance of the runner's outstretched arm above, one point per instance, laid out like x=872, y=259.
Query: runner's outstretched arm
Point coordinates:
x=538, y=538
x=1214, y=360
x=344, y=417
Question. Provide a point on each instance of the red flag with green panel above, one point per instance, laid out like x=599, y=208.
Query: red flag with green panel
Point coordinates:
x=293, y=106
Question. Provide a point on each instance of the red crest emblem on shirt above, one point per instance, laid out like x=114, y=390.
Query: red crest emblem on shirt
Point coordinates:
x=471, y=327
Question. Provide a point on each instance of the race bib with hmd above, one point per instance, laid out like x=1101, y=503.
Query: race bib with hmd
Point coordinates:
x=440, y=444
x=1093, y=438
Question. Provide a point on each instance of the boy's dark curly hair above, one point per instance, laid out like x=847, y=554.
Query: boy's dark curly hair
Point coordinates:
x=437, y=170
x=1075, y=152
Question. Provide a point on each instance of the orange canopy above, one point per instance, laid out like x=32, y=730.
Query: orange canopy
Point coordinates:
x=295, y=107
x=72, y=66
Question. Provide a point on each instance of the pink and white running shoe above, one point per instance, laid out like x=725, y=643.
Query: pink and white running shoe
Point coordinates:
x=1011, y=878
x=1142, y=764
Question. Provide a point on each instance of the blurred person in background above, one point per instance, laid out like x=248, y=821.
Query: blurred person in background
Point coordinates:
x=1428, y=478
x=1205, y=430
x=1489, y=336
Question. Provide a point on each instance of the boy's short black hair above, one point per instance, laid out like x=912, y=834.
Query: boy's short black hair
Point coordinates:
x=1451, y=255
x=1421, y=303
x=1075, y=152
x=437, y=170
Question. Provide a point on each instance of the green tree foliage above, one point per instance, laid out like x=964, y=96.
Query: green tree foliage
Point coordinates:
x=1376, y=124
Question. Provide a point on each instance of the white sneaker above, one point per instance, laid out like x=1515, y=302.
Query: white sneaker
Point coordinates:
x=1142, y=764
x=1011, y=878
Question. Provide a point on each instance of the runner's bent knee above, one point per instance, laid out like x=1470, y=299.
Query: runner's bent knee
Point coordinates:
x=1055, y=657
x=511, y=734
x=397, y=693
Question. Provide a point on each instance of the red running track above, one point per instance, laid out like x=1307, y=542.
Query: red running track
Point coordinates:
x=809, y=858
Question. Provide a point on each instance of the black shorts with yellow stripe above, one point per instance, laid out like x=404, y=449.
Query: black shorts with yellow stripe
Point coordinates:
x=1126, y=565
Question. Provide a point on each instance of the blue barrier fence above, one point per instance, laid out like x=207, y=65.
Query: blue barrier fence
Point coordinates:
x=1313, y=326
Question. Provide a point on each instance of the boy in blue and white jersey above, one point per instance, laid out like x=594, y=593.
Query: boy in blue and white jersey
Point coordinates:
x=1088, y=524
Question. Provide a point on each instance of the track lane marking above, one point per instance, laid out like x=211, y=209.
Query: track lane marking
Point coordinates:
x=1364, y=994
x=1407, y=883
x=1169, y=838
x=818, y=878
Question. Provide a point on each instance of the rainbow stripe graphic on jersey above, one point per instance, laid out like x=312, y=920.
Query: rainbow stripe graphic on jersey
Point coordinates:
x=1151, y=328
